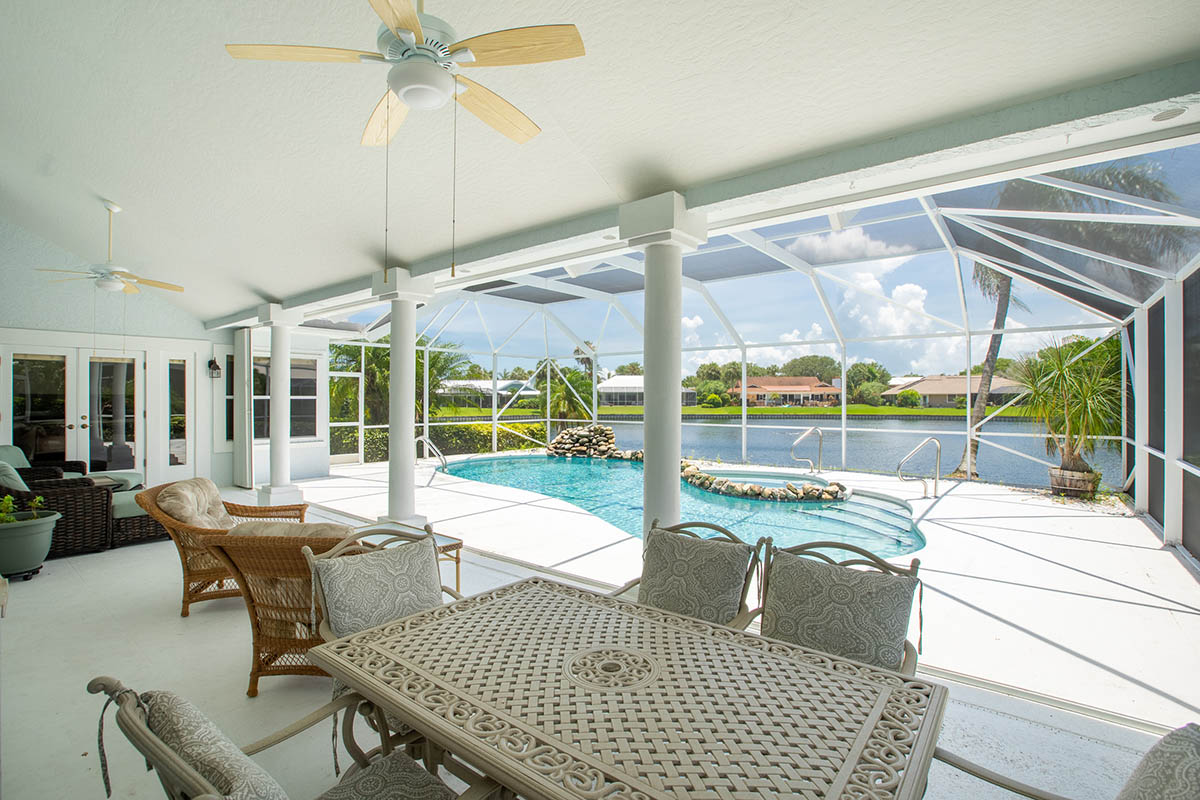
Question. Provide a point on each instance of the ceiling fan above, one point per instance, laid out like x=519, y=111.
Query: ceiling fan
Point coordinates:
x=424, y=54
x=108, y=277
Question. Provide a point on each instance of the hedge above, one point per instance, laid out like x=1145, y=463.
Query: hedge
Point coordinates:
x=459, y=439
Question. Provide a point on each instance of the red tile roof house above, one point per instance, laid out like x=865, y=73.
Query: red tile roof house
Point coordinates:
x=791, y=390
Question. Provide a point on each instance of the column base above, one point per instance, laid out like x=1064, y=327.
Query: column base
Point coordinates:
x=415, y=521
x=279, y=495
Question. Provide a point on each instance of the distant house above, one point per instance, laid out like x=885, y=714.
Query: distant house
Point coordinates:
x=630, y=390
x=945, y=391
x=477, y=393
x=792, y=390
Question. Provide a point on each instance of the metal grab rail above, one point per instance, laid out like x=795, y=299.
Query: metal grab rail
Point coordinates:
x=820, y=447
x=937, y=466
x=431, y=446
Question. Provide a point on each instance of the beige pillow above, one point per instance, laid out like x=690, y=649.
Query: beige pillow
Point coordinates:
x=321, y=530
x=196, y=502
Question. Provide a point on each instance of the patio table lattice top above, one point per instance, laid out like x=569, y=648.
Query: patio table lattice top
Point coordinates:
x=587, y=696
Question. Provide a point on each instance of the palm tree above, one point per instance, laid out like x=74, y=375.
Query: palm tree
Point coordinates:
x=1146, y=244
x=564, y=404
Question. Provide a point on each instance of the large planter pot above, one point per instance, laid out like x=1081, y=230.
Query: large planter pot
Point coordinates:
x=1070, y=483
x=25, y=543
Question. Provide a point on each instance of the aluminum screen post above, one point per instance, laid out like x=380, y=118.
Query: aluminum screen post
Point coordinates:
x=844, y=387
x=425, y=400
x=495, y=402
x=970, y=428
x=1141, y=409
x=745, y=459
x=1173, y=412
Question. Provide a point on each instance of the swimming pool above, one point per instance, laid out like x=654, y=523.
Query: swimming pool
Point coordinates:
x=612, y=490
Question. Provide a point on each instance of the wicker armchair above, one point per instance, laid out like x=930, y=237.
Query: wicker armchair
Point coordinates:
x=191, y=756
x=276, y=583
x=86, y=524
x=857, y=557
x=204, y=577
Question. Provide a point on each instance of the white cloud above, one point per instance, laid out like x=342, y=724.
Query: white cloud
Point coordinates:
x=852, y=244
x=691, y=333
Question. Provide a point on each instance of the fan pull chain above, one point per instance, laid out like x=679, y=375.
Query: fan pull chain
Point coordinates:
x=454, y=186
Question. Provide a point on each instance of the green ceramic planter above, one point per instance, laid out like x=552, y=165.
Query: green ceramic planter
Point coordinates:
x=25, y=543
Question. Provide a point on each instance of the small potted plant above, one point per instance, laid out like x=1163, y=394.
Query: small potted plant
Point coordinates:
x=1076, y=396
x=24, y=537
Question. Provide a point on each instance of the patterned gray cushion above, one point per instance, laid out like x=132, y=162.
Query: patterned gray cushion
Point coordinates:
x=1170, y=771
x=11, y=479
x=701, y=578
x=362, y=591
x=396, y=777
x=207, y=750
x=196, y=502
x=838, y=610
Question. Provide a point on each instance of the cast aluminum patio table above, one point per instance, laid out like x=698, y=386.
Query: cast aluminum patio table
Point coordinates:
x=559, y=692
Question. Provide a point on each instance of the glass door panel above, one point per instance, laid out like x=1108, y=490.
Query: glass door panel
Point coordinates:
x=177, y=423
x=112, y=421
x=40, y=403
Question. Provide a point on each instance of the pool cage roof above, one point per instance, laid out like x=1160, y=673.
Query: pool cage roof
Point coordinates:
x=1099, y=240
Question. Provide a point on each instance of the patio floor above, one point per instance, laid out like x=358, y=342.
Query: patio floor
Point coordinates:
x=1078, y=602
x=116, y=613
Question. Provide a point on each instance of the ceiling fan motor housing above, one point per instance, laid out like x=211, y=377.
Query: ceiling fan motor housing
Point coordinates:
x=421, y=76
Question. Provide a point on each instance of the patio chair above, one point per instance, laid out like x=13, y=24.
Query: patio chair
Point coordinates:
x=192, y=509
x=814, y=600
x=357, y=585
x=706, y=577
x=195, y=759
x=275, y=581
x=1169, y=770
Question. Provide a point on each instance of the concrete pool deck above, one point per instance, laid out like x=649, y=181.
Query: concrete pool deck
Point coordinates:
x=1078, y=602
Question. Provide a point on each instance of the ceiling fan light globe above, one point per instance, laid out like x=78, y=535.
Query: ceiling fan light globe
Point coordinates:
x=421, y=84
x=110, y=284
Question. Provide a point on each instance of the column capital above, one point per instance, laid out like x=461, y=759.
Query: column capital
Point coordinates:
x=276, y=315
x=662, y=219
x=397, y=283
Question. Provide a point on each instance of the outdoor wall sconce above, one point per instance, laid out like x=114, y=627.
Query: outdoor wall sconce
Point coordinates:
x=214, y=369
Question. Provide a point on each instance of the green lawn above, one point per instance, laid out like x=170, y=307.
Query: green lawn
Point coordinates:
x=853, y=409
x=471, y=411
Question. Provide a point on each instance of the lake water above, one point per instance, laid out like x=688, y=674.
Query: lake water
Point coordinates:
x=873, y=450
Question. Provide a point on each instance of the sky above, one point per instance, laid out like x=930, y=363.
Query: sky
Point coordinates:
x=902, y=284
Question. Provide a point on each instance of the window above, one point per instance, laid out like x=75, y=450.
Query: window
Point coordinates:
x=229, y=398
x=303, y=397
x=177, y=422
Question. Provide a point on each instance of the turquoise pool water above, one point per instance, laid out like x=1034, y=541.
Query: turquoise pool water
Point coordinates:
x=612, y=490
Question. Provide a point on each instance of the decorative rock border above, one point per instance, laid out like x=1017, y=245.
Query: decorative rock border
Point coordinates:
x=805, y=493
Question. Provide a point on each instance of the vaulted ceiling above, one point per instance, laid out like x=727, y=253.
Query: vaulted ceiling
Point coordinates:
x=245, y=181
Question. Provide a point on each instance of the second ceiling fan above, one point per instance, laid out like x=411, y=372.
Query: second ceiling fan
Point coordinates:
x=424, y=53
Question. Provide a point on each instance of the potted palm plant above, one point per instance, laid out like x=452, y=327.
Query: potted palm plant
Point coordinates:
x=24, y=537
x=1076, y=396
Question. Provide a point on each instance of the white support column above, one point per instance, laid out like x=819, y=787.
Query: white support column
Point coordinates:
x=1141, y=410
x=1173, y=412
x=280, y=490
x=745, y=456
x=404, y=291
x=663, y=227
x=243, y=408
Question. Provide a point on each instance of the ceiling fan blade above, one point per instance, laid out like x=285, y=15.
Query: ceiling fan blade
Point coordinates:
x=496, y=111
x=297, y=52
x=129, y=276
x=65, y=280
x=65, y=271
x=531, y=45
x=129, y=288
x=385, y=120
x=399, y=15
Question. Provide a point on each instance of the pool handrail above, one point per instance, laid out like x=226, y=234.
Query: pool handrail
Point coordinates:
x=820, y=446
x=431, y=446
x=937, y=465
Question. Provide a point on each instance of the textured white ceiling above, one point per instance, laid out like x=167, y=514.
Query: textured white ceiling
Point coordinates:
x=244, y=180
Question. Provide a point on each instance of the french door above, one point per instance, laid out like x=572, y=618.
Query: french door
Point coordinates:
x=77, y=404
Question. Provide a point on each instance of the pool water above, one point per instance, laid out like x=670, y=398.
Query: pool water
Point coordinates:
x=612, y=490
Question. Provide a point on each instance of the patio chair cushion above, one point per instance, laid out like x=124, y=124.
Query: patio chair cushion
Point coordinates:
x=11, y=454
x=394, y=777
x=701, y=578
x=369, y=589
x=195, y=502
x=319, y=530
x=1170, y=770
x=200, y=743
x=838, y=610
x=10, y=478
x=124, y=505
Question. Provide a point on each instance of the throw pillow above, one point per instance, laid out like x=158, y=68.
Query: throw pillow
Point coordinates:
x=701, y=578
x=1170, y=771
x=11, y=479
x=369, y=589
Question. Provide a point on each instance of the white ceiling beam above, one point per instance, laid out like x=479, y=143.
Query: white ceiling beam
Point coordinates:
x=1114, y=196
x=1096, y=286
x=1076, y=216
